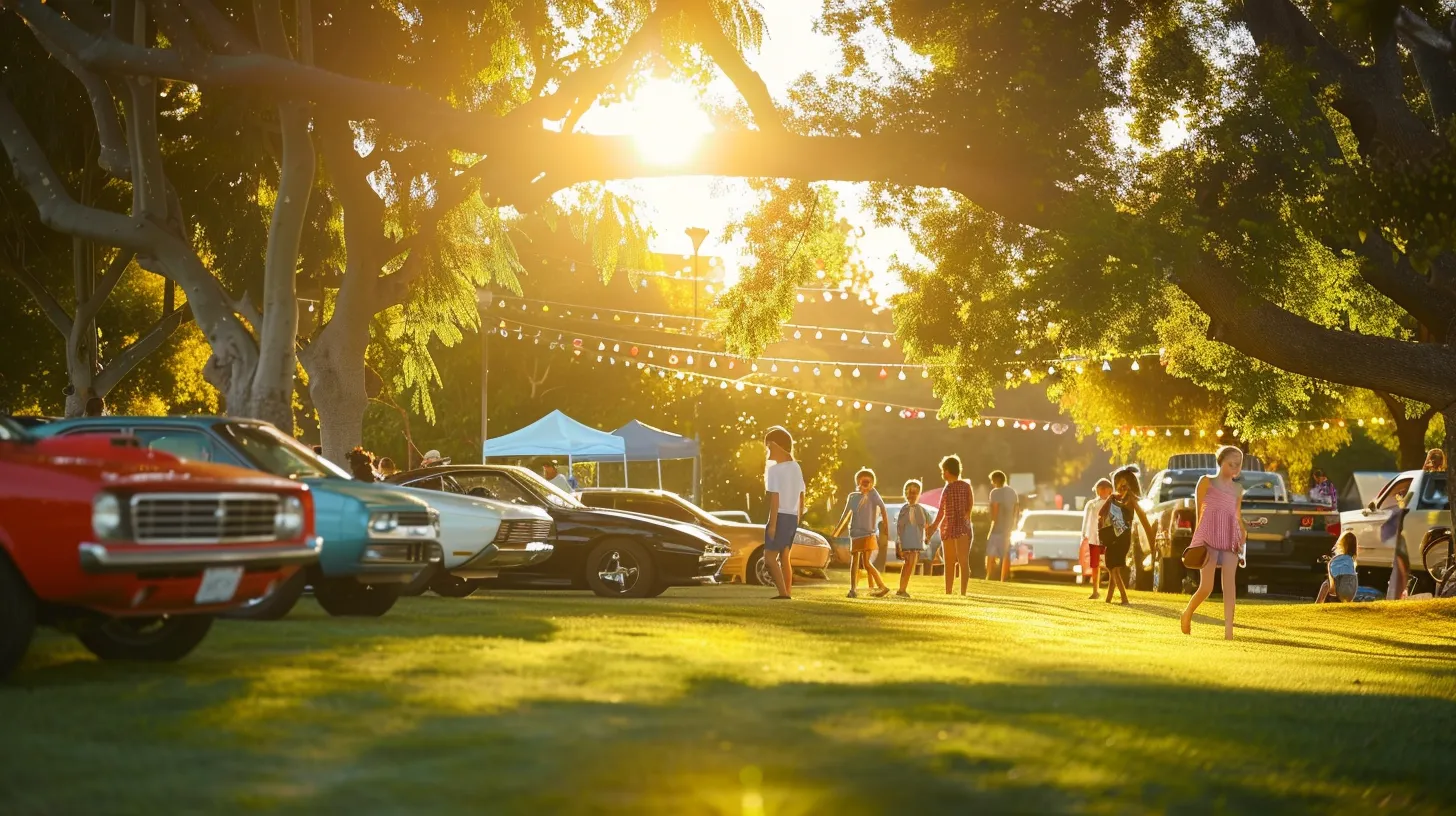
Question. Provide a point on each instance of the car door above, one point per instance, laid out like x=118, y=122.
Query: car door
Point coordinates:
x=1373, y=549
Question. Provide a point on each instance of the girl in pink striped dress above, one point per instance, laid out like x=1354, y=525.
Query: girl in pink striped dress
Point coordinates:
x=1220, y=529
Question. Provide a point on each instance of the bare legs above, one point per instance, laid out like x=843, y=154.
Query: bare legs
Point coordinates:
x=865, y=559
x=957, y=556
x=1323, y=593
x=1114, y=581
x=907, y=569
x=782, y=571
x=1229, y=562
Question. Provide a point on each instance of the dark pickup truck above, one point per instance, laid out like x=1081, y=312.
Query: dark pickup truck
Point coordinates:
x=1287, y=541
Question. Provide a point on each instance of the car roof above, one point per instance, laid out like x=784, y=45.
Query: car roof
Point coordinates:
x=629, y=491
x=151, y=420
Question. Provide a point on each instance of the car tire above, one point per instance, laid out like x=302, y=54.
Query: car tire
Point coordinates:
x=17, y=617
x=452, y=586
x=344, y=596
x=657, y=589
x=165, y=639
x=1167, y=575
x=422, y=582
x=275, y=605
x=620, y=569
x=757, y=573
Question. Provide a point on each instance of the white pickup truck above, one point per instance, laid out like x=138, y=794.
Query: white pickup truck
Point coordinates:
x=1423, y=494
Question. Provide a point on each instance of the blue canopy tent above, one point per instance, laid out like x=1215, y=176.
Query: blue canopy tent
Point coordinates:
x=646, y=444
x=557, y=434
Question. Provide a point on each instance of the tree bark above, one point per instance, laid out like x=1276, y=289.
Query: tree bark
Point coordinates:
x=1410, y=432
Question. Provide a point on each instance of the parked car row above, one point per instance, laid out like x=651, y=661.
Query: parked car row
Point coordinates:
x=135, y=532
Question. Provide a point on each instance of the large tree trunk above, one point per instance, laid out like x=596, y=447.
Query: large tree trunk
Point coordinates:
x=336, y=384
x=1410, y=432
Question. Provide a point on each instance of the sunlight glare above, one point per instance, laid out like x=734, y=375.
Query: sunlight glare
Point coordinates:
x=666, y=121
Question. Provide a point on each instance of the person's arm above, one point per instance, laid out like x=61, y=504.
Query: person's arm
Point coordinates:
x=1239, y=510
x=801, y=504
x=773, y=514
x=1143, y=517
x=884, y=516
x=902, y=521
x=844, y=519
x=970, y=505
x=995, y=509
x=1200, y=493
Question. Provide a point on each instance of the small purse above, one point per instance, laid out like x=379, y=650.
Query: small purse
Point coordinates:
x=1195, y=557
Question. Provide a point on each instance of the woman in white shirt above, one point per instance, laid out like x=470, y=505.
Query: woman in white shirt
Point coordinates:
x=1089, y=533
x=784, y=481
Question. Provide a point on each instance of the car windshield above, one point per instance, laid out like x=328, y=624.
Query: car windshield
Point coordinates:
x=544, y=490
x=272, y=451
x=10, y=431
x=1052, y=523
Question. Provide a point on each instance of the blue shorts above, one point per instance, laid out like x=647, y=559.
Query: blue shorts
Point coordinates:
x=996, y=545
x=788, y=526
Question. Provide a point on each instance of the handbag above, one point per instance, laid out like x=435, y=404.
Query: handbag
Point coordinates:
x=1195, y=557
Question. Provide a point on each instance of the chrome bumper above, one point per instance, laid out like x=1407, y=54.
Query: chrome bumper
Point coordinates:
x=101, y=559
x=493, y=558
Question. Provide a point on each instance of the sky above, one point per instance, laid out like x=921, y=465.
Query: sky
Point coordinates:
x=667, y=117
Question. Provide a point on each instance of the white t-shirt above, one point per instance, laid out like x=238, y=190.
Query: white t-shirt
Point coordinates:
x=561, y=481
x=787, y=480
x=1089, y=519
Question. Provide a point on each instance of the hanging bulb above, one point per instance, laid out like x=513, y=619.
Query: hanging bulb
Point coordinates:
x=818, y=335
x=1218, y=433
x=758, y=390
x=839, y=403
x=1360, y=422
x=1187, y=432
x=637, y=319
x=822, y=400
x=1026, y=372
x=797, y=334
x=901, y=376
x=1051, y=370
x=864, y=341
x=1117, y=432
x=869, y=406
x=856, y=404
x=816, y=371
x=924, y=373
x=886, y=342
x=887, y=409
x=616, y=347
x=796, y=368
x=884, y=373
x=773, y=392
x=774, y=368
x=1009, y=375
x=690, y=359
x=790, y=395
x=837, y=372
x=601, y=346
x=799, y=297
x=1000, y=423
x=1326, y=426
x=712, y=362
x=1135, y=365
x=502, y=304
x=855, y=372
x=310, y=306
x=1106, y=366
x=738, y=387
x=1168, y=432
x=649, y=354
x=1079, y=368
x=844, y=337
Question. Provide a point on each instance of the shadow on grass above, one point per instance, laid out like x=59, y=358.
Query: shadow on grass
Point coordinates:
x=1069, y=744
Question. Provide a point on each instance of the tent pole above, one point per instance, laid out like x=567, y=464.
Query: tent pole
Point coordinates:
x=659, y=475
x=625, y=481
x=698, y=477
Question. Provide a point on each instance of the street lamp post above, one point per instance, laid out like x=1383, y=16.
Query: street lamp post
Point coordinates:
x=696, y=235
x=483, y=298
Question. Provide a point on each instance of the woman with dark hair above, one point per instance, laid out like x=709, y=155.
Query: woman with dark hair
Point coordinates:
x=1114, y=527
x=361, y=465
x=1219, y=529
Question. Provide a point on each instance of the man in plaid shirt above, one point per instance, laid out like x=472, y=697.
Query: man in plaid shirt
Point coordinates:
x=954, y=523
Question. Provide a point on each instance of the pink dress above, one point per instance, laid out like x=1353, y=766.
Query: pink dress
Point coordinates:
x=1219, y=528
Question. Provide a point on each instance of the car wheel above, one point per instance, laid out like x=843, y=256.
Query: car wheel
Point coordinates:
x=657, y=589
x=1436, y=555
x=345, y=596
x=164, y=639
x=17, y=617
x=276, y=604
x=421, y=582
x=758, y=573
x=620, y=569
x=452, y=586
x=1167, y=575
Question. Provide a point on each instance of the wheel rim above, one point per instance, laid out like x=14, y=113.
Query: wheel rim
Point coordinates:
x=136, y=631
x=761, y=570
x=619, y=570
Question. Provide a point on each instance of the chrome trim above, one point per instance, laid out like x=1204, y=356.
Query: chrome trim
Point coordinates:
x=136, y=499
x=100, y=559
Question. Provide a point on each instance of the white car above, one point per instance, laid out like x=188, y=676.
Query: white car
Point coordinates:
x=479, y=536
x=1047, y=542
x=1427, y=504
x=932, y=547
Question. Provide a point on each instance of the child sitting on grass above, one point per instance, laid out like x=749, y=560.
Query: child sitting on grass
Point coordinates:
x=1342, y=580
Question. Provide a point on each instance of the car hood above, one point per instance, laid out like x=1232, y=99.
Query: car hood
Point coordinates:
x=662, y=524
x=117, y=461
x=373, y=496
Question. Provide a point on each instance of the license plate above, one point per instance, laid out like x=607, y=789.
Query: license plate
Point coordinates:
x=219, y=585
x=1258, y=589
x=1060, y=566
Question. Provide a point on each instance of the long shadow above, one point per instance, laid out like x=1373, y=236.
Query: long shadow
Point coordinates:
x=907, y=748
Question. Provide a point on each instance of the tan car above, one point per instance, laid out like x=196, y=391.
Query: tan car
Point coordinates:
x=810, y=554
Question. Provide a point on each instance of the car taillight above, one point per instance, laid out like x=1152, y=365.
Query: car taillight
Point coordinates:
x=1185, y=523
x=1333, y=529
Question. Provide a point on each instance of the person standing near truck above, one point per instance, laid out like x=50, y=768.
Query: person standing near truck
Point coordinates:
x=1090, y=544
x=1322, y=490
x=1220, y=529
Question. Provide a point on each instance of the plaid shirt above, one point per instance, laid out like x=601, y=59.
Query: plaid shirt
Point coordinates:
x=955, y=508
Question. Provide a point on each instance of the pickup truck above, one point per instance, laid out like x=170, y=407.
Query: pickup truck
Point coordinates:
x=135, y=550
x=1287, y=541
x=1428, y=507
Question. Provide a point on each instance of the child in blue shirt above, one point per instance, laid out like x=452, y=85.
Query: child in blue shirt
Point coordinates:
x=1342, y=581
x=910, y=527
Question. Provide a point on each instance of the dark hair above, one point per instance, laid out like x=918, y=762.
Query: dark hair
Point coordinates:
x=1348, y=543
x=779, y=435
x=1130, y=475
x=952, y=465
x=361, y=464
x=1224, y=452
x=863, y=472
x=998, y=478
x=1316, y=473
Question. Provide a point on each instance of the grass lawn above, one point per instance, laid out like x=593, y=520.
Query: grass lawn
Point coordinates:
x=715, y=700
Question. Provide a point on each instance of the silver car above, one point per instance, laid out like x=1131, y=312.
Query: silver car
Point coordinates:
x=1048, y=542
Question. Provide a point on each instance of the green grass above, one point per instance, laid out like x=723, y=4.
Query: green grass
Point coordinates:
x=717, y=701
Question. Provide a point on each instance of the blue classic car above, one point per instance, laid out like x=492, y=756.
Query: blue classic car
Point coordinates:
x=375, y=537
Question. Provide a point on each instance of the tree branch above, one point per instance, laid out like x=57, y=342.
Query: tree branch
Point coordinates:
x=86, y=312
x=745, y=79
x=1432, y=52
x=1432, y=306
x=53, y=311
x=1421, y=371
x=121, y=365
x=114, y=157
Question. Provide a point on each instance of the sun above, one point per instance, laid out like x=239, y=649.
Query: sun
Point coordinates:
x=666, y=121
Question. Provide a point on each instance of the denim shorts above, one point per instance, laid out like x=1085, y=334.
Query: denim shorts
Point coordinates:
x=783, y=538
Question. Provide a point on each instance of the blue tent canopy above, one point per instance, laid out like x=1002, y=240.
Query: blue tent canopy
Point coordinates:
x=646, y=443
x=557, y=434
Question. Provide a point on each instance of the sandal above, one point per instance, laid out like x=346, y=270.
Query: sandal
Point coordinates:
x=880, y=593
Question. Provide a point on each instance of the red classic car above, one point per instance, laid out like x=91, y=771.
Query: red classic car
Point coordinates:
x=135, y=549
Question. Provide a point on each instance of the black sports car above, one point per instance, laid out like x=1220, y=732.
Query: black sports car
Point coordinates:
x=612, y=553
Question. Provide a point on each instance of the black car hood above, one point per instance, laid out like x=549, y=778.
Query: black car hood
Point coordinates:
x=646, y=522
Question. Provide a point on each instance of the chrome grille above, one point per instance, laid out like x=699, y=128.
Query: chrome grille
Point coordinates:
x=414, y=518
x=190, y=518
x=519, y=533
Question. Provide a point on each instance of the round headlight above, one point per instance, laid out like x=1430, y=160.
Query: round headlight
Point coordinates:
x=383, y=523
x=288, y=521
x=106, y=516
